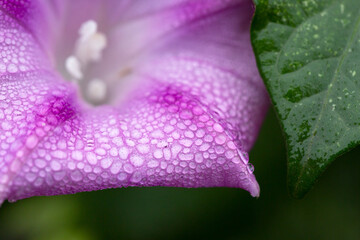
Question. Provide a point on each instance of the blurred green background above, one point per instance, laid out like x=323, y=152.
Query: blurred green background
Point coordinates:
x=330, y=211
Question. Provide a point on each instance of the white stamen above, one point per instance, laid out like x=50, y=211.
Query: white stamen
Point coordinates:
x=91, y=48
x=88, y=49
x=87, y=29
x=96, y=90
x=73, y=67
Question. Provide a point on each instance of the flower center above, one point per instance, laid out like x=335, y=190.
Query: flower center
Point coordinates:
x=88, y=49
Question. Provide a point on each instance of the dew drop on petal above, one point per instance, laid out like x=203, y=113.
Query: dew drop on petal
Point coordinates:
x=137, y=160
x=12, y=68
x=31, y=142
x=250, y=167
x=186, y=114
x=76, y=176
x=55, y=166
x=122, y=176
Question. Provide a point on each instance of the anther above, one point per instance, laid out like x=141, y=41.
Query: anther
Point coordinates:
x=88, y=49
x=90, y=44
x=96, y=91
x=73, y=67
x=87, y=29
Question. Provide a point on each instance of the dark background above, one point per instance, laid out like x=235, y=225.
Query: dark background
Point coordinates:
x=330, y=211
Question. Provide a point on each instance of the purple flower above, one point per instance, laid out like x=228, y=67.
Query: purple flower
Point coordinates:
x=103, y=94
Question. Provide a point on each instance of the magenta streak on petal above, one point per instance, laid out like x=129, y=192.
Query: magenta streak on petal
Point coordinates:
x=189, y=123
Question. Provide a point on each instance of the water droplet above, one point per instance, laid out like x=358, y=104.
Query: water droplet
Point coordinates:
x=137, y=160
x=122, y=176
x=123, y=153
x=40, y=163
x=128, y=168
x=215, y=113
x=30, y=177
x=220, y=139
x=197, y=110
x=243, y=156
x=136, y=177
x=91, y=157
x=90, y=143
x=31, y=141
x=153, y=164
x=250, y=167
x=116, y=167
x=76, y=176
x=106, y=163
x=170, y=98
x=12, y=68
x=55, y=165
x=158, y=154
x=186, y=114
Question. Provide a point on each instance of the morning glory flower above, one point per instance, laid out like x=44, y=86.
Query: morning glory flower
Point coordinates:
x=115, y=93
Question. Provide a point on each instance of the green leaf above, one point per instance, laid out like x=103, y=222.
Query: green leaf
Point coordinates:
x=308, y=53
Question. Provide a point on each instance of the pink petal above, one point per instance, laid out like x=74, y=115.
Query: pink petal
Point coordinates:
x=195, y=113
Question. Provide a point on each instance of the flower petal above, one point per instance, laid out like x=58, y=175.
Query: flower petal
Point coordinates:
x=189, y=123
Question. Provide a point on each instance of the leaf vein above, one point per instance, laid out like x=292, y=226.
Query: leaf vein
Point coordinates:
x=325, y=102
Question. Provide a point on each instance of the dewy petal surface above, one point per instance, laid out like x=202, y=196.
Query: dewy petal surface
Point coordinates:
x=191, y=118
